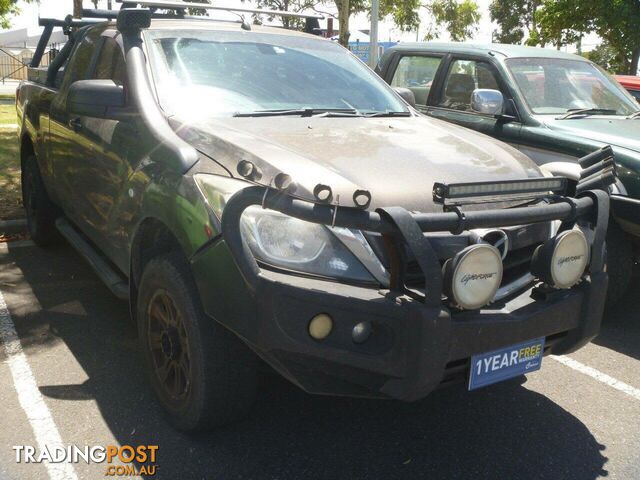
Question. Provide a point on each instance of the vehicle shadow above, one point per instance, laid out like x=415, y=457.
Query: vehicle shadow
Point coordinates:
x=504, y=431
x=621, y=324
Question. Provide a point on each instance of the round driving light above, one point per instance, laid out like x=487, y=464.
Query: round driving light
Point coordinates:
x=562, y=260
x=472, y=277
x=320, y=326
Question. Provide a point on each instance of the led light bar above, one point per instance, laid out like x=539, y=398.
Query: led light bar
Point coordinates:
x=482, y=192
x=205, y=6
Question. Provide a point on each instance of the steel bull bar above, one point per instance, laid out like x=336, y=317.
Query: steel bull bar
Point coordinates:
x=404, y=231
x=419, y=343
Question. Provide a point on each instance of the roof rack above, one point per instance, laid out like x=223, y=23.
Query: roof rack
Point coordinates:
x=48, y=23
x=180, y=5
x=92, y=16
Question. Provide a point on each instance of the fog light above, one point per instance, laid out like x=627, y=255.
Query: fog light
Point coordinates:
x=472, y=277
x=561, y=261
x=361, y=332
x=320, y=326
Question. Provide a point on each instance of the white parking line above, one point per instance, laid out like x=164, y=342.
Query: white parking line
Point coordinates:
x=599, y=376
x=39, y=416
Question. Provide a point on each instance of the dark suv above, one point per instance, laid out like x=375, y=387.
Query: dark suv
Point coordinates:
x=254, y=190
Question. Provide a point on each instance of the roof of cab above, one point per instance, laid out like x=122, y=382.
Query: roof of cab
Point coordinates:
x=507, y=51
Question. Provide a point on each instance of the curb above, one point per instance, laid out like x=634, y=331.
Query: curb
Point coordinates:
x=8, y=227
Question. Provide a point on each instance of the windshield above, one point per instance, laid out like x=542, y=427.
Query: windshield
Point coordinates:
x=554, y=86
x=225, y=73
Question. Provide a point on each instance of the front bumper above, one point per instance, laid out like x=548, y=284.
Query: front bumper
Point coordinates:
x=416, y=344
x=412, y=349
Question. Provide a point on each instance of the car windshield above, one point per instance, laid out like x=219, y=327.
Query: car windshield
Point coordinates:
x=554, y=86
x=225, y=73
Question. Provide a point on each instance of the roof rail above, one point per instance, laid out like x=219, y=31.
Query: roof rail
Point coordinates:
x=180, y=5
x=92, y=13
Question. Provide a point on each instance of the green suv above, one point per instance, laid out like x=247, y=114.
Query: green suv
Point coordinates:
x=552, y=106
x=259, y=194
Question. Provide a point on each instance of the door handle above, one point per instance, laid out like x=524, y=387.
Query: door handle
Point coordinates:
x=76, y=124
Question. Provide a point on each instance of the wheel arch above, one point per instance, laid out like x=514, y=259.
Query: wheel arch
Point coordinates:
x=27, y=148
x=152, y=237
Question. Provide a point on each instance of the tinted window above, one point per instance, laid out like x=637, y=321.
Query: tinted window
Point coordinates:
x=110, y=65
x=416, y=73
x=219, y=73
x=463, y=77
x=80, y=61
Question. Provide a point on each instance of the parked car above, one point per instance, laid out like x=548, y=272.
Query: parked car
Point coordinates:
x=631, y=83
x=552, y=106
x=256, y=189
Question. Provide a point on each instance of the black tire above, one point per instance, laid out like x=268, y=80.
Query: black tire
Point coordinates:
x=213, y=378
x=619, y=263
x=40, y=210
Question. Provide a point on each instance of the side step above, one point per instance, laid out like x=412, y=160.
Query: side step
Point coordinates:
x=114, y=281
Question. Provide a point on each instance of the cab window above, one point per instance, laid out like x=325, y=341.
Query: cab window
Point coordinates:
x=416, y=73
x=80, y=60
x=110, y=64
x=463, y=77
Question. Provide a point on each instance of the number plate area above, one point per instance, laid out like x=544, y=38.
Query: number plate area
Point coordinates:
x=492, y=367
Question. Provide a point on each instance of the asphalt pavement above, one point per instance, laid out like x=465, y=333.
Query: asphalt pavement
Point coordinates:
x=577, y=418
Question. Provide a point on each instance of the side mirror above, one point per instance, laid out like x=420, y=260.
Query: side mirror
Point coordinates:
x=95, y=98
x=406, y=94
x=489, y=102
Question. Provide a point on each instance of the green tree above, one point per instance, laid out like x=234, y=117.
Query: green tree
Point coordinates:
x=288, y=6
x=555, y=27
x=346, y=8
x=514, y=18
x=8, y=9
x=607, y=57
x=615, y=21
x=459, y=18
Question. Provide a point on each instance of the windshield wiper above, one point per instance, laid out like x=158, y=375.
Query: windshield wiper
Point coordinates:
x=587, y=111
x=388, y=114
x=634, y=115
x=303, y=112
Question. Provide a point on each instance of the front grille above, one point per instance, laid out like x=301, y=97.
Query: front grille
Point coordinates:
x=515, y=265
x=523, y=241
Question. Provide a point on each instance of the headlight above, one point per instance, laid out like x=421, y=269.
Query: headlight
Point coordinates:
x=561, y=261
x=472, y=277
x=286, y=242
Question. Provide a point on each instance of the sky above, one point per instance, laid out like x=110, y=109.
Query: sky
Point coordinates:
x=387, y=31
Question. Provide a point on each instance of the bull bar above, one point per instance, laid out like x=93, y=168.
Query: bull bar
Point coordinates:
x=420, y=344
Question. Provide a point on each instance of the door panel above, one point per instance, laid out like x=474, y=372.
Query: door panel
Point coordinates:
x=105, y=176
x=452, y=101
x=69, y=149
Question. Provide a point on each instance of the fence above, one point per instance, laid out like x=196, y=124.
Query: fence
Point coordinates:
x=14, y=61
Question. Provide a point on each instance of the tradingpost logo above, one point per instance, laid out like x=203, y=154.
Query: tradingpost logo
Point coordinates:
x=121, y=461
